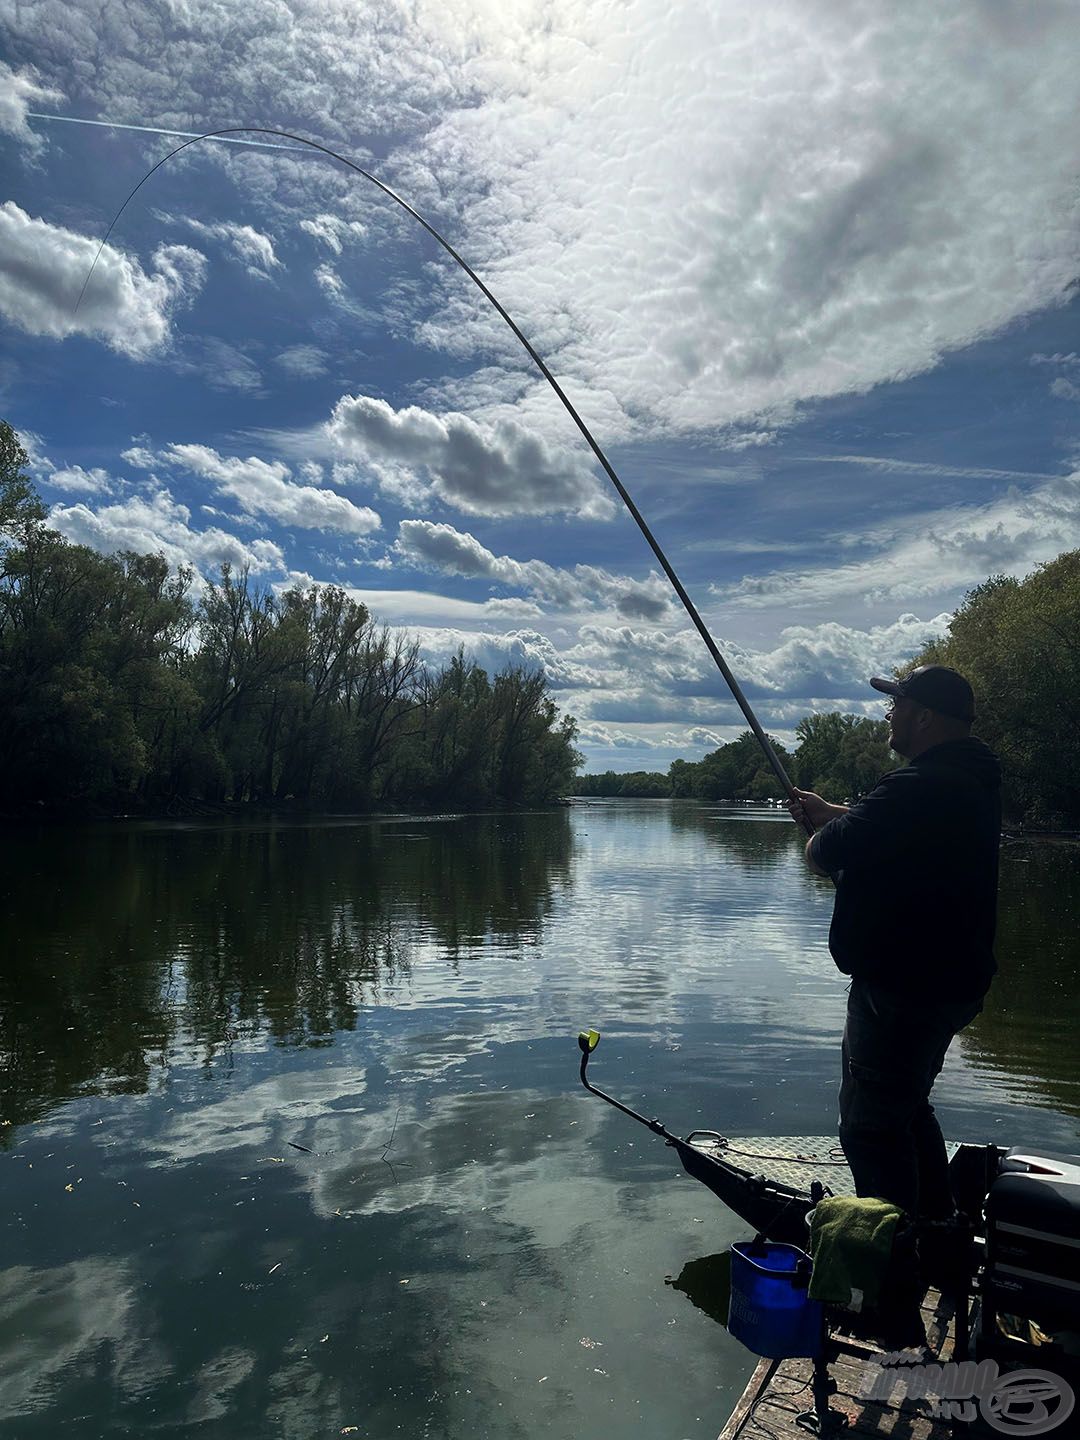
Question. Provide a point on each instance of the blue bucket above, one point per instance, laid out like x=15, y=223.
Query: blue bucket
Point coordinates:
x=770, y=1311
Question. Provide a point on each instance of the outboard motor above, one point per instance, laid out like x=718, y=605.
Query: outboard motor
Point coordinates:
x=1032, y=1267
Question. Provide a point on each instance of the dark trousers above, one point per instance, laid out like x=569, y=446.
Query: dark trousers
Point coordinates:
x=894, y=1048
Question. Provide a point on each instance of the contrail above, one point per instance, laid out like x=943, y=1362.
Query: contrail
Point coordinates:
x=157, y=130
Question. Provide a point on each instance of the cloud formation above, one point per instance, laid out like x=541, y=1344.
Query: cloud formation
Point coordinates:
x=501, y=469
x=333, y=231
x=306, y=362
x=157, y=524
x=43, y=268
x=21, y=90
x=265, y=487
x=585, y=587
x=930, y=554
x=250, y=246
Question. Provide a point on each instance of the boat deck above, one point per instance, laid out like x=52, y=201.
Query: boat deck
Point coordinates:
x=779, y=1391
x=792, y=1160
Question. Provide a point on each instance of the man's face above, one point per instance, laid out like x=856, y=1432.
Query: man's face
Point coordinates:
x=901, y=716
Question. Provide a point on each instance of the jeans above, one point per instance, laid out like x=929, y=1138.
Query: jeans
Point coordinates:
x=894, y=1048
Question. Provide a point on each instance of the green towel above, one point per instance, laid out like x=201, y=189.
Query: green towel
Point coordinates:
x=851, y=1244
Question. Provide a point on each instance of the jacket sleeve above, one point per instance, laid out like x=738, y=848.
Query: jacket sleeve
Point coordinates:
x=874, y=831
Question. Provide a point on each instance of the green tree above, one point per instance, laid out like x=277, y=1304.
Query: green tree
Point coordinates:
x=736, y=771
x=21, y=508
x=839, y=755
x=1018, y=642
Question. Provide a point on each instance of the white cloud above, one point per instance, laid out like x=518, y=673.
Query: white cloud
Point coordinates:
x=833, y=198
x=329, y=281
x=264, y=487
x=307, y=362
x=19, y=91
x=493, y=651
x=72, y=479
x=77, y=481
x=649, y=681
x=43, y=268
x=218, y=364
x=700, y=214
x=585, y=587
x=935, y=554
x=499, y=469
x=333, y=231
x=420, y=609
x=250, y=246
x=158, y=524
x=140, y=457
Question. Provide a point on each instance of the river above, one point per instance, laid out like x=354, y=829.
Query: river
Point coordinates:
x=292, y=1137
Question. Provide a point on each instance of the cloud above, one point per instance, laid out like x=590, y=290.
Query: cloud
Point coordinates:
x=523, y=649
x=943, y=552
x=43, y=268
x=218, y=364
x=585, y=587
x=333, y=231
x=76, y=480
x=635, y=678
x=306, y=362
x=157, y=524
x=701, y=216
x=263, y=487
x=70, y=478
x=250, y=246
x=19, y=91
x=832, y=200
x=502, y=469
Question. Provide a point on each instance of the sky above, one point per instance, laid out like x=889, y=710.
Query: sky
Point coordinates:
x=808, y=271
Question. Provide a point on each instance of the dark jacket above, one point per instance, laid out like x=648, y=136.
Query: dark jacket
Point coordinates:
x=916, y=866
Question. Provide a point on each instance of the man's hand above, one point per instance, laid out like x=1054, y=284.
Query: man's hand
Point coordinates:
x=811, y=809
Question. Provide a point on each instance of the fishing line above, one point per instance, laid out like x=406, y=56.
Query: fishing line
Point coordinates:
x=688, y=605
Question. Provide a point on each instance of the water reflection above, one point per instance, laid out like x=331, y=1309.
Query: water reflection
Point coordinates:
x=298, y=1141
x=120, y=942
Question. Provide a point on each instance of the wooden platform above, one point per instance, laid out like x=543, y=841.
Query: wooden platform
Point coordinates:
x=779, y=1390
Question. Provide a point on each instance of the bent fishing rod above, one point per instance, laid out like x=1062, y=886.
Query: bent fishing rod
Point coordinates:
x=677, y=585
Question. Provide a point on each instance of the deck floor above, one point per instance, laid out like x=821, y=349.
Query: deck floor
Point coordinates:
x=779, y=1391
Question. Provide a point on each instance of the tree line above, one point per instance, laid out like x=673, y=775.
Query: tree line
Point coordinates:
x=837, y=755
x=121, y=688
x=1016, y=640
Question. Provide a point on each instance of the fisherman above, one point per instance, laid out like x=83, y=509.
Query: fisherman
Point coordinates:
x=916, y=869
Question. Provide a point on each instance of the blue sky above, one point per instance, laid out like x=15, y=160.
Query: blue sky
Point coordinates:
x=808, y=271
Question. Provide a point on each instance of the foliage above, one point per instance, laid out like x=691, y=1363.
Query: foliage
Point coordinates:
x=1018, y=642
x=118, y=689
x=737, y=771
x=840, y=756
x=20, y=507
x=637, y=784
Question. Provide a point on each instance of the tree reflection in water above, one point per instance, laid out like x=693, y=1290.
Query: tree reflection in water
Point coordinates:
x=123, y=943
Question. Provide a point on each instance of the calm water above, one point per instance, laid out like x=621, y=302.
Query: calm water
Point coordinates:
x=292, y=1134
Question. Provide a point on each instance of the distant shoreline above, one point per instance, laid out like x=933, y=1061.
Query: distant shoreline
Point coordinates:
x=249, y=810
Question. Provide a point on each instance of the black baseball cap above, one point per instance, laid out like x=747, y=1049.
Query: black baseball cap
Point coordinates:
x=935, y=686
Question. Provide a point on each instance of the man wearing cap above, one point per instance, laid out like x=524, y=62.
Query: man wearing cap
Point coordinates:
x=916, y=868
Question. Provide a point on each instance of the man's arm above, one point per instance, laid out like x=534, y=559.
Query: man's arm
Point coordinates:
x=811, y=862
x=811, y=809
